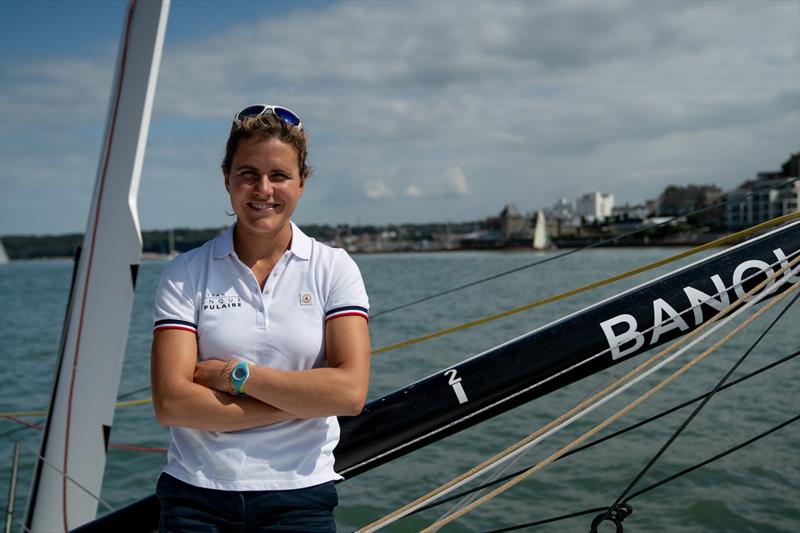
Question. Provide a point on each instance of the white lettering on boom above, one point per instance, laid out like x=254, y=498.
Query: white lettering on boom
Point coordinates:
x=616, y=340
x=660, y=326
x=738, y=276
x=697, y=298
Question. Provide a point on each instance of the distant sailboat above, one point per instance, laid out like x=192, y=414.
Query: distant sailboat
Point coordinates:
x=3, y=254
x=540, y=232
x=173, y=253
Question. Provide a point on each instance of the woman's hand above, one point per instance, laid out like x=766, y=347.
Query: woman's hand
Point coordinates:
x=214, y=374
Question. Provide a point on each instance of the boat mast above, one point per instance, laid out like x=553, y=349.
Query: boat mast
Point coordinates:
x=73, y=451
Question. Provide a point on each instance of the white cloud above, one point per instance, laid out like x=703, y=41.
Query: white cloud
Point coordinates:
x=455, y=182
x=378, y=190
x=413, y=191
x=528, y=99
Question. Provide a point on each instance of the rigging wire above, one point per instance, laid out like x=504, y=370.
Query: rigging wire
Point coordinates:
x=549, y=427
x=491, y=318
x=705, y=399
x=65, y=475
x=657, y=484
x=695, y=412
x=133, y=393
x=573, y=251
x=597, y=399
x=590, y=286
x=435, y=526
x=610, y=436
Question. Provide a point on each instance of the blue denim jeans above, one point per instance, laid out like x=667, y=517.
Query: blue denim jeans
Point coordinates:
x=186, y=508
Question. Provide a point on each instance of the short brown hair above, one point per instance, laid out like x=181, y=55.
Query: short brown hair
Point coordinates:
x=268, y=126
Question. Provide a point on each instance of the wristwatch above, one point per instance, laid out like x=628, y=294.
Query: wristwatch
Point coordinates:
x=239, y=374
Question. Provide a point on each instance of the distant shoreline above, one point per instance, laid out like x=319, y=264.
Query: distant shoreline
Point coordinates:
x=514, y=249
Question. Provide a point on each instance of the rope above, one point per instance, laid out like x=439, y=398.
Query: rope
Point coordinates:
x=579, y=410
x=714, y=458
x=545, y=380
x=373, y=316
x=658, y=483
x=615, y=434
x=129, y=447
x=492, y=318
x=66, y=476
x=128, y=403
x=590, y=286
x=697, y=410
x=435, y=526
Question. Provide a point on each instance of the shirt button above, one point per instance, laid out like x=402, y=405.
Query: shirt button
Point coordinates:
x=261, y=309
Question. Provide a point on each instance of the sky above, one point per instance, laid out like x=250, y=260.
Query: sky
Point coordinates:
x=417, y=111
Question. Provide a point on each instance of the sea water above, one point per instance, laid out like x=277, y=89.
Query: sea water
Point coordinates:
x=755, y=489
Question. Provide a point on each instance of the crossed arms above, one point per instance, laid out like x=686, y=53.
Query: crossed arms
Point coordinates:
x=194, y=394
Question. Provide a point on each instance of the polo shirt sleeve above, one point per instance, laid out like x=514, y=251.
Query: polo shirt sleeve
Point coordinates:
x=174, y=303
x=347, y=296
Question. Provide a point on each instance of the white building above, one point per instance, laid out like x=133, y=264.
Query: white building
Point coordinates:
x=594, y=206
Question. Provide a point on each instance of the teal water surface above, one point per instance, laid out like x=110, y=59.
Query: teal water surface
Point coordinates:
x=756, y=489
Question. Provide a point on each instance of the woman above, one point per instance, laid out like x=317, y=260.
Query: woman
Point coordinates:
x=260, y=341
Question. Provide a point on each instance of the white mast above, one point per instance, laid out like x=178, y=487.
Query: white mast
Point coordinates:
x=93, y=343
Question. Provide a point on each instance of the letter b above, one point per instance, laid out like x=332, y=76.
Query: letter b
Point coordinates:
x=615, y=340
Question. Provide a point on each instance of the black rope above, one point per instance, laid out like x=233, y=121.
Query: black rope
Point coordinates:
x=569, y=252
x=697, y=409
x=715, y=458
x=549, y=520
x=611, y=435
x=658, y=483
x=133, y=392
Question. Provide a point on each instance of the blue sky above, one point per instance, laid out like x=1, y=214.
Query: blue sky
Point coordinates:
x=418, y=111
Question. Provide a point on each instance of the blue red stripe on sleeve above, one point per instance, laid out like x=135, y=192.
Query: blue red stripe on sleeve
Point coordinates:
x=350, y=310
x=174, y=324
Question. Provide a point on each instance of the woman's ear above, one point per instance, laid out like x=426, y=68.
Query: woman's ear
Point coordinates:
x=227, y=177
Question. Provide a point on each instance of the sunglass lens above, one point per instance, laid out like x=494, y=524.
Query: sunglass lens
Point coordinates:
x=252, y=111
x=286, y=116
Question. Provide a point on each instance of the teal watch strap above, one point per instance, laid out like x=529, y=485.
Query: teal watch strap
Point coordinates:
x=239, y=374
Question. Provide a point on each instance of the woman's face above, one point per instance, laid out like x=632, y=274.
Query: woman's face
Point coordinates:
x=264, y=185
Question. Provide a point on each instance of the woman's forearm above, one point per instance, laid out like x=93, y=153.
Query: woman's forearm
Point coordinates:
x=308, y=393
x=195, y=406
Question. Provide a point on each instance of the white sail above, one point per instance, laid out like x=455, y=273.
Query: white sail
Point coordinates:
x=93, y=345
x=540, y=232
x=3, y=254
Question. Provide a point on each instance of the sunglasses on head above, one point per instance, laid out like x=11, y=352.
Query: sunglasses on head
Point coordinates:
x=286, y=115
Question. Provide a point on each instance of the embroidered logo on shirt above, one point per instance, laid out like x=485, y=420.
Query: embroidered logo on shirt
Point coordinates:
x=212, y=301
x=305, y=298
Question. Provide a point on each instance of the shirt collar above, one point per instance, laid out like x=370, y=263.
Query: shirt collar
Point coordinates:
x=301, y=243
x=223, y=245
x=300, y=246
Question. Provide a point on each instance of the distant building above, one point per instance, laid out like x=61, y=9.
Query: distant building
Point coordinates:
x=512, y=223
x=771, y=194
x=629, y=212
x=652, y=207
x=562, y=211
x=595, y=206
x=678, y=200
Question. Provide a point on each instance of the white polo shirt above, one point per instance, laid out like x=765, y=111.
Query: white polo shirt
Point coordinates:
x=209, y=291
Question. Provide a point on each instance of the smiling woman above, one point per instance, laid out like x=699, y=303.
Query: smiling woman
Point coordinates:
x=260, y=341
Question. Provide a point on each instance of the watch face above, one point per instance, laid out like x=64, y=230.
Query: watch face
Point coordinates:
x=239, y=373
